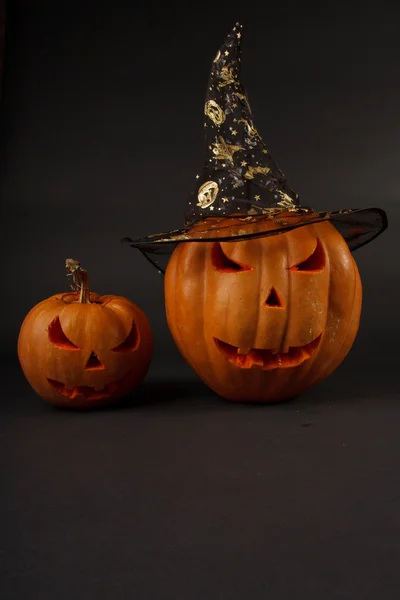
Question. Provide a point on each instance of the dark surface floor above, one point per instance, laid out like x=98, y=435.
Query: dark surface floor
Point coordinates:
x=194, y=498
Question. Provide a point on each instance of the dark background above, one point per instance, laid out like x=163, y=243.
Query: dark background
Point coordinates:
x=188, y=496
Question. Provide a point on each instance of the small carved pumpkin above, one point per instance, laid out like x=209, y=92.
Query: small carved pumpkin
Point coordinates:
x=264, y=319
x=80, y=350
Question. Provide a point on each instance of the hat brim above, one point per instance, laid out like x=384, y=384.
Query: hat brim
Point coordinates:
x=358, y=227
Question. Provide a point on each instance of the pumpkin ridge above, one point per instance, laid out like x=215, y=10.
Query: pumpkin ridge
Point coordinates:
x=328, y=267
x=350, y=321
x=288, y=300
x=204, y=304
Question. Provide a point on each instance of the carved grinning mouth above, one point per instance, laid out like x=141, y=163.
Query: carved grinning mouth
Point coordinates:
x=89, y=393
x=246, y=358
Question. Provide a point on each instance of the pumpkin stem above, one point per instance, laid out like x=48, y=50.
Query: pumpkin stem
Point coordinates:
x=80, y=280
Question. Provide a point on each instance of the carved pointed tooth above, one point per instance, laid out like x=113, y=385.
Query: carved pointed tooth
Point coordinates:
x=243, y=350
x=257, y=359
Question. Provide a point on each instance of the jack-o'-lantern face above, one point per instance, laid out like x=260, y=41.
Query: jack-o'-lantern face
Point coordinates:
x=81, y=355
x=267, y=318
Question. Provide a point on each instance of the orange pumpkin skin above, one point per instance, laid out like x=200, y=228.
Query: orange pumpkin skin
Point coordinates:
x=265, y=319
x=83, y=355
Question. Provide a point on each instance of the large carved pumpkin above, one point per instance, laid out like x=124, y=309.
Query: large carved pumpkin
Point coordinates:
x=264, y=319
x=80, y=350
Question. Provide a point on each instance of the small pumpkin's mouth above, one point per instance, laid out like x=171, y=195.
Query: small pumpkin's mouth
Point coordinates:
x=89, y=393
x=247, y=358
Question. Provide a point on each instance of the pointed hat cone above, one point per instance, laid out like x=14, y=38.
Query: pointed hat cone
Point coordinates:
x=240, y=177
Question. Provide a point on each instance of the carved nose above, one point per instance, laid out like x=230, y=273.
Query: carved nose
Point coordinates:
x=93, y=363
x=273, y=299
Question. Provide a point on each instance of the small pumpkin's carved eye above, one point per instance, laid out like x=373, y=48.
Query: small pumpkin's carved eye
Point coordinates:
x=57, y=336
x=221, y=262
x=131, y=341
x=315, y=262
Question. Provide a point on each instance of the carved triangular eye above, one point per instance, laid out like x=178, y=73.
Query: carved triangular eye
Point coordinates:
x=221, y=262
x=58, y=338
x=315, y=262
x=131, y=341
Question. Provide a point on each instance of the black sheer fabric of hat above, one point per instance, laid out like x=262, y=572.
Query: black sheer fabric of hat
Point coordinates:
x=240, y=177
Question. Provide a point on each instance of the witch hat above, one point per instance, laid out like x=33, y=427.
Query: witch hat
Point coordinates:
x=240, y=177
